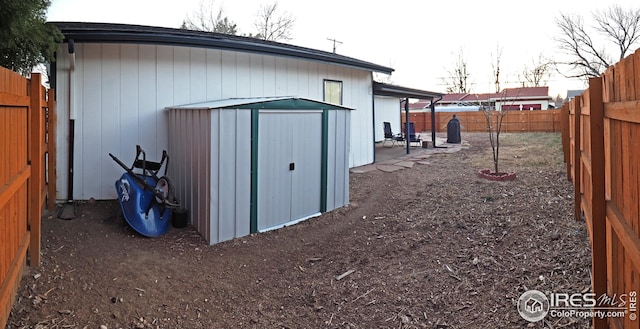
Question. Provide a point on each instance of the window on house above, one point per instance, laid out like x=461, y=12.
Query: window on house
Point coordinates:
x=333, y=92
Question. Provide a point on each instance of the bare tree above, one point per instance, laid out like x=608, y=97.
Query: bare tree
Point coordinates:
x=458, y=79
x=586, y=58
x=537, y=74
x=205, y=20
x=495, y=66
x=494, y=120
x=272, y=25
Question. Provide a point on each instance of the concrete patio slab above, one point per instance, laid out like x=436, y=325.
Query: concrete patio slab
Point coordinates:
x=364, y=169
x=389, y=168
x=406, y=164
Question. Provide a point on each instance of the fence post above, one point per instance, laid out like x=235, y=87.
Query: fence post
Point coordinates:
x=566, y=139
x=577, y=180
x=35, y=159
x=598, y=202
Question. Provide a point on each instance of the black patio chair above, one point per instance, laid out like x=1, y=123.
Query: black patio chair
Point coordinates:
x=412, y=137
x=390, y=136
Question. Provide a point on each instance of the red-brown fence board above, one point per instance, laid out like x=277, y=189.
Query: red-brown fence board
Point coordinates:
x=23, y=147
x=607, y=180
x=474, y=121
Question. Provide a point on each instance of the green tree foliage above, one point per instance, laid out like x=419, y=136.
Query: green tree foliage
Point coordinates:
x=25, y=38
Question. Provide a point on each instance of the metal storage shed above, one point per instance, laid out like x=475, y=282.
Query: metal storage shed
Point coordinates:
x=248, y=165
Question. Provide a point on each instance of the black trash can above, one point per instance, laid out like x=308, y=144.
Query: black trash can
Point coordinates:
x=180, y=217
x=453, y=131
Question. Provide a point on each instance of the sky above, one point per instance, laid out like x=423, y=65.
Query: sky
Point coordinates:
x=420, y=39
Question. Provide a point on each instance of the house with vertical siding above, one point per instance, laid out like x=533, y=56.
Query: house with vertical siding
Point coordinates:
x=116, y=83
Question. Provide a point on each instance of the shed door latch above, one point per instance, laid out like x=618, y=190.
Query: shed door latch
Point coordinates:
x=292, y=166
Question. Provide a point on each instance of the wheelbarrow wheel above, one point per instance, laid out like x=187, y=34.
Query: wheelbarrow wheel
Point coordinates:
x=165, y=189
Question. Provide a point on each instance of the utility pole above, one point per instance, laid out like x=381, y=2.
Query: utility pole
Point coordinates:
x=334, y=43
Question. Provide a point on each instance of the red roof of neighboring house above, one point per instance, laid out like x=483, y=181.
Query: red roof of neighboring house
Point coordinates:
x=453, y=98
x=510, y=93
x=524, y=92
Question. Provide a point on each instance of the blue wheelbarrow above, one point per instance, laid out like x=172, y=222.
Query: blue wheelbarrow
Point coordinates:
x=146, y=200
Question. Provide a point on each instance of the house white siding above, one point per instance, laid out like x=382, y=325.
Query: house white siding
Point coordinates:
x=387, y=109
x=117, y=94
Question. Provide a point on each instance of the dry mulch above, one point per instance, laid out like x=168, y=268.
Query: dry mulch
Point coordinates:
x=433, y=246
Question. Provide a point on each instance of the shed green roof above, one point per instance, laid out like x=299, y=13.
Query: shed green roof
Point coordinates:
x=263, y=103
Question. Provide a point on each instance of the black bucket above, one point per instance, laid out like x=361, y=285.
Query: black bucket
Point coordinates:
x=180, y=217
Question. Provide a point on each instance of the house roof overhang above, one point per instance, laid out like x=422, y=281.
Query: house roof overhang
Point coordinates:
x=263, y=103
x=125, y=33
x=385, y=89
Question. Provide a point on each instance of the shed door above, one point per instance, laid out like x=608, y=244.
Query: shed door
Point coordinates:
x=289, y=166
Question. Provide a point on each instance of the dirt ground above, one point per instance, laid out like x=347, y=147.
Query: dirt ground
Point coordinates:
x=431, y=246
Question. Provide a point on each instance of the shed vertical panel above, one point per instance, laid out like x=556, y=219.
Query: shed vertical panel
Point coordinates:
x=306, y=141
x=175, y=170
x=195, y=147
x=243, y=172
x=88, y=123
x=226, y=175
x=214, y=172
x=204, y=174
x=192, y=151
x=274, y=177
x=332, y=152
x=338, y=162
x=346, y=151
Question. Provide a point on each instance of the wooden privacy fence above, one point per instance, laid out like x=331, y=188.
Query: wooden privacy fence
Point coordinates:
x=601, y=142
x=474, y=121
x=27, y=162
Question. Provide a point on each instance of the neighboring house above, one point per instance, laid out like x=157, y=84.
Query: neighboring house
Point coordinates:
x=114, y=81
x=524, y=98
x=571, y=94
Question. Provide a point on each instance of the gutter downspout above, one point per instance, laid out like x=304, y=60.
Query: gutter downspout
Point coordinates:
x=72, y=117
x=433, y=121
x=406, y=124
x=373, y=106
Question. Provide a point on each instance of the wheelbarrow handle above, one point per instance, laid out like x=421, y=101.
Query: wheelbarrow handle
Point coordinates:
x=120, y=163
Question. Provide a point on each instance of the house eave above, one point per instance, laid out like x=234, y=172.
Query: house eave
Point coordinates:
x=123, y=33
